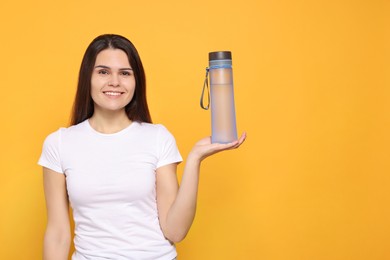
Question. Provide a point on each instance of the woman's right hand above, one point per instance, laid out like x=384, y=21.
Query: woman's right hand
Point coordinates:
x=204, y=148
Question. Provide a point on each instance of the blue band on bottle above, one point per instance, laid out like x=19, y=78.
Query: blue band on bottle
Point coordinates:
x=221, y=66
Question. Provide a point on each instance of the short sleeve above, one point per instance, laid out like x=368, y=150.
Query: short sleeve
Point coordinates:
x=50, y=157
x=167, y=148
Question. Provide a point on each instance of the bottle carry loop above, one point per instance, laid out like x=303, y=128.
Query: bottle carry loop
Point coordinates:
x=206, y=84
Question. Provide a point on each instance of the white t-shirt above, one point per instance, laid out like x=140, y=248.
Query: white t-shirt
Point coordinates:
x=111, y=184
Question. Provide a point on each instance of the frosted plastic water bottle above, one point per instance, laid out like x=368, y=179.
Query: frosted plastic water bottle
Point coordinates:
x=223, y=115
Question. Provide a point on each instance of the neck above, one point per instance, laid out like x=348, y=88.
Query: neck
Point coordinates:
x=109, y=122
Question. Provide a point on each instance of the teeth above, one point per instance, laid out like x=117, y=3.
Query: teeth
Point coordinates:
x=112, y=93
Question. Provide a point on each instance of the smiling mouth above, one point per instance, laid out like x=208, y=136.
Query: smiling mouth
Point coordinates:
x=112, y=93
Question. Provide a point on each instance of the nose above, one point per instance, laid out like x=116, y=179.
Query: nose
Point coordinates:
x=114, y=80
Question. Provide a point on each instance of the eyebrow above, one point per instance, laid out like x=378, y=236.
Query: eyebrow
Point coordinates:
x=106, y=67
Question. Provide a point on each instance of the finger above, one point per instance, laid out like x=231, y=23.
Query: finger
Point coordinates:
x=229, y=146
x=239, y=141
x=242, y=138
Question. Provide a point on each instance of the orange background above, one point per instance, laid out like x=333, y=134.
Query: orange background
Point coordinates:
x=312, y=88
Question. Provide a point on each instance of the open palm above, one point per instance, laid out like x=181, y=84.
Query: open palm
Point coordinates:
x=204, y=148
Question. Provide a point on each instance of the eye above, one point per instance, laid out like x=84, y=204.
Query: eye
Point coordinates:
x=103, y=72
x=126, y=73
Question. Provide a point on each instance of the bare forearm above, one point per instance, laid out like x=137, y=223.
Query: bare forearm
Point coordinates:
x=56, y=247
x=182, y=212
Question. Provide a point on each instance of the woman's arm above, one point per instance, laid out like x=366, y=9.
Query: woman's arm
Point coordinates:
x=177, y=206
x=57, y=236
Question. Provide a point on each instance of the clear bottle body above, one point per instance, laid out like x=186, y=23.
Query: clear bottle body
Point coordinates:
x=223, y=115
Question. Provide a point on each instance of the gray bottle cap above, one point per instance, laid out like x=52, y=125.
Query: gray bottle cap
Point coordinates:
x=220, y=55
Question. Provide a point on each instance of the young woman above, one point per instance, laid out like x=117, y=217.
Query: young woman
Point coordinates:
x=115, y=168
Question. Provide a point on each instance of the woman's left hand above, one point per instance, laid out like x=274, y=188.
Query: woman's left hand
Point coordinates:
x=204, y=148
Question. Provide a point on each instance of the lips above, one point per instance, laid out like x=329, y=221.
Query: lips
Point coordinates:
x=113, y=93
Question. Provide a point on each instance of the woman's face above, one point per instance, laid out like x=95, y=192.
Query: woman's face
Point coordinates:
x=112, y=82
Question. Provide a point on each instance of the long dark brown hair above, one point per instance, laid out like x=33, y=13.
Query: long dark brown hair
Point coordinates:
x=83, y=107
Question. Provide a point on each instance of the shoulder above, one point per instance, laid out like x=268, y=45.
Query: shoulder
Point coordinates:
x=80, y=127
x=156, y=128
x=64, y=131
x=149, y=125
x=54, y=136
x=157, y=132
